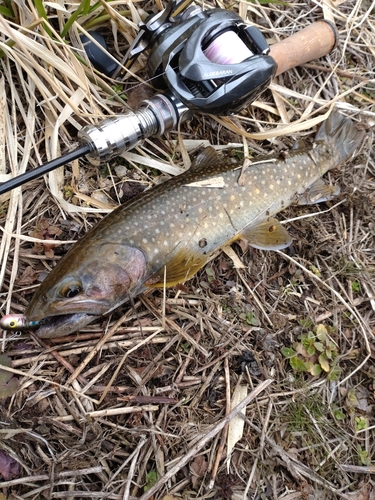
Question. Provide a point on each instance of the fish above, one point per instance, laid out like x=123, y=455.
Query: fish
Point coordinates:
x=164, y=236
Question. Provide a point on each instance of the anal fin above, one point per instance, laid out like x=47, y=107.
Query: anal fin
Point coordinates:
x=268, y=235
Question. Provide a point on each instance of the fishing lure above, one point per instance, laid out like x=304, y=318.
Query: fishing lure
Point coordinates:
x=17, y=322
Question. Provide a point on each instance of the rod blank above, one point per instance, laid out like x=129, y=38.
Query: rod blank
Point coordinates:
x=44, y=169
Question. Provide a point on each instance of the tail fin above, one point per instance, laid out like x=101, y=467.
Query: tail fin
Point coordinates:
x=343, y=132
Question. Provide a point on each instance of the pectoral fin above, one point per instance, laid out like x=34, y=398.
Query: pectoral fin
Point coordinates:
x=179, y=269
x=317, y=193
x=268, y=235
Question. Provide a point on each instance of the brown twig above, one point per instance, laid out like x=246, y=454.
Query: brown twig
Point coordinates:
x=202, y=442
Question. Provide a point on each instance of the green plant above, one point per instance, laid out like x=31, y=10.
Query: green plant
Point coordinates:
x=6, y=9
x=313, y=353
x=363, y=457
x=151, y=478
x=360, y=423
x=249, y=318
x=356, y=286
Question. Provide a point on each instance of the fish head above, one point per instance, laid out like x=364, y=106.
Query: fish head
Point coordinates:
x=84, y=286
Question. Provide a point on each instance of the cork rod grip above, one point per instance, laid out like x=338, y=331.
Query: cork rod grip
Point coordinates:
x=317, y=40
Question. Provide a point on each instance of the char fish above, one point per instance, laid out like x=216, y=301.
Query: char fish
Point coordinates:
x=169, y=232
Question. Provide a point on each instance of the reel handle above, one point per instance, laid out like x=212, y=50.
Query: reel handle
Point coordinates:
x=317, y=40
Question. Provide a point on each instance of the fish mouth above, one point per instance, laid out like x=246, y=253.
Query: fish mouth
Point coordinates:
x=65, y=324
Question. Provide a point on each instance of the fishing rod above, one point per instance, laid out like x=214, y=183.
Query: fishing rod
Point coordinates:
x=207, y=61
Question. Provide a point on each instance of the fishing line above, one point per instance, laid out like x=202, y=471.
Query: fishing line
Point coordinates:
x=227, y=48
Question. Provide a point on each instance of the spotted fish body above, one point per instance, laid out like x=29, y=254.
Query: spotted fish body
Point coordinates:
x=172, y=230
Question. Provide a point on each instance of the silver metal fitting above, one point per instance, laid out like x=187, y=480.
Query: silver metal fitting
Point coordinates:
x=113, y=136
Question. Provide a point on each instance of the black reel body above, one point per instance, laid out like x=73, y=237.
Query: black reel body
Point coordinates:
x=187, y=58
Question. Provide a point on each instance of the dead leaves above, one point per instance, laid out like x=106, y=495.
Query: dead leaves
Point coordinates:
x=8, y=383
x=198, y=468
x=9, y=468
x=236, y=425
x=45, y=231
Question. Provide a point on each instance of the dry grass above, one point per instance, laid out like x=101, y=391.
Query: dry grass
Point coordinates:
x=143, y=399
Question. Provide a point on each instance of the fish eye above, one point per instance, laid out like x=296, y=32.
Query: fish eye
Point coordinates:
x=71, y=290
x=12, y=323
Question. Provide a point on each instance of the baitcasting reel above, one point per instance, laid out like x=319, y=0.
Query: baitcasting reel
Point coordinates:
x=204, y=61
x=210, y=60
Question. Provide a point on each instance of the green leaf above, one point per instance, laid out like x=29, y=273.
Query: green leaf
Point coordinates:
x=298, y=364
x=42, y=13
x=360, y=423
x=321, y=333
x=331, y=348
x=8, y=383
x=356, y=286
x=5, y=11
x=323, y=361
x=319, y=346
x=83, y=9
x=339, y=415
x=288, y=352
x=351, y=398
x=334, y=373
x=151, y=478
x=315, y=370
x=310, y=350
x=363, y=456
